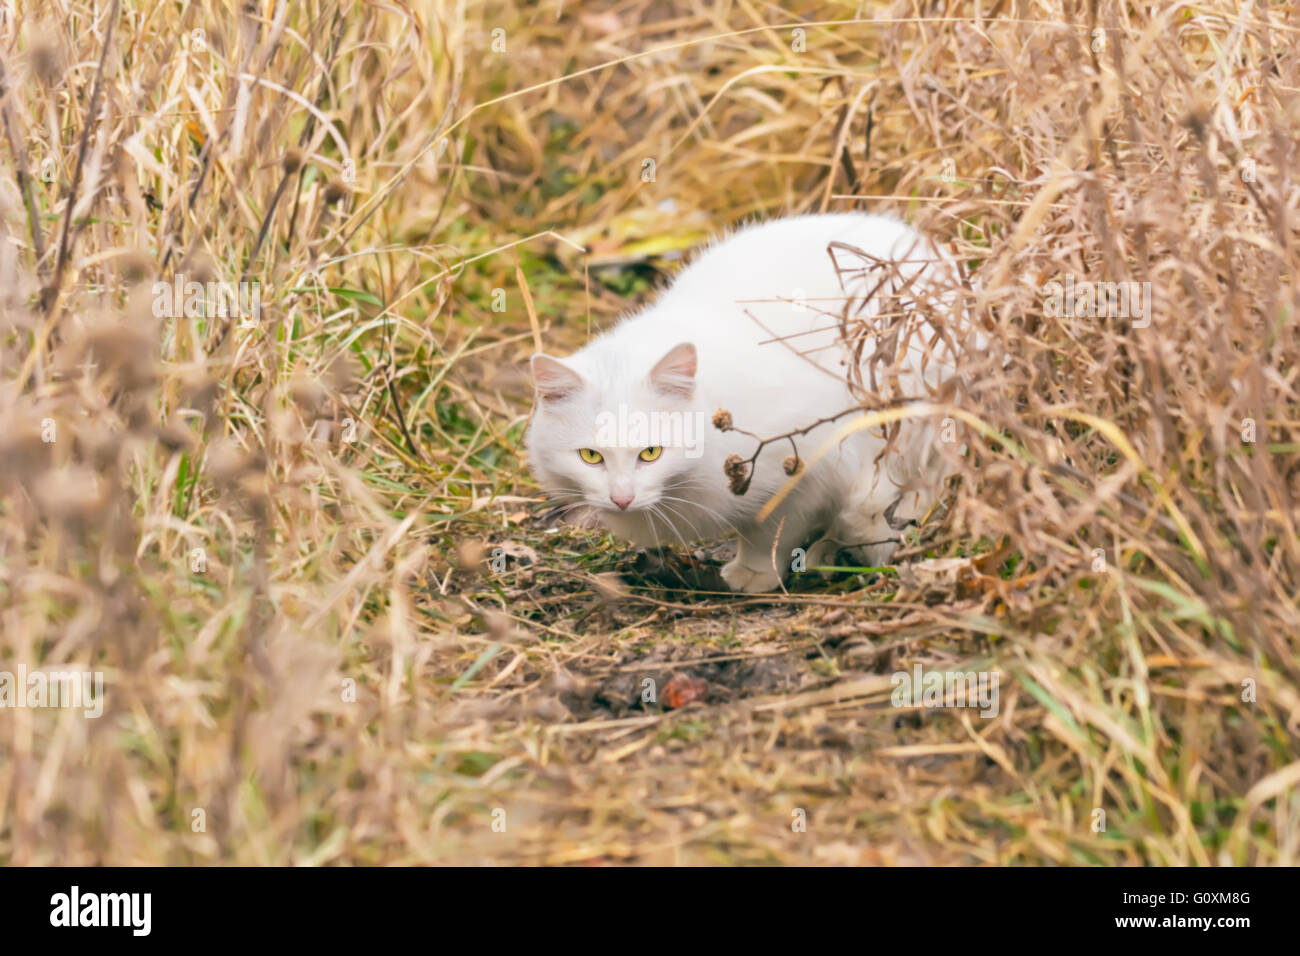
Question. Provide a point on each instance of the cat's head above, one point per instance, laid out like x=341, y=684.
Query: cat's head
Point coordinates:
x=615, y=431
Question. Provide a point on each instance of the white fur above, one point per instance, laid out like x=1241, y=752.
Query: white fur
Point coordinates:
x=768, y=388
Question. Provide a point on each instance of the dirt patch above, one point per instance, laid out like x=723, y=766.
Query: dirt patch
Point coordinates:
x=674, y=676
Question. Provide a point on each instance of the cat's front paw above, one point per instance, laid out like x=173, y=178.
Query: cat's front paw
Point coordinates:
x=741, y=577
x=822, y=554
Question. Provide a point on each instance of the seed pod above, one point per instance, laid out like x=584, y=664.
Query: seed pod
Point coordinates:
x=73, y=493
x=737, y=471
x=136, y=267
x=175, y=436
x=308, y=393
x=226, y=462
x=334, y=192
x=46, y=55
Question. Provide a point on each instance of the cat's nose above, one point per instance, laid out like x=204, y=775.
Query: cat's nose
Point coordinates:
x=622, y=501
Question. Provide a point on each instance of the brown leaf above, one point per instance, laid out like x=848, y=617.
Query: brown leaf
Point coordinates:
x=683, y=689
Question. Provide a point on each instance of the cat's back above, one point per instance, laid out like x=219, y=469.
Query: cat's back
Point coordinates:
x=785, y=259
x=765, y=295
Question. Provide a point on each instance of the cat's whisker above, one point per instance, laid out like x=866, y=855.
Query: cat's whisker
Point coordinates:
x=727, y=524
x=678, y=512
x=663, y=513
x=654, y=510
x=722, y=519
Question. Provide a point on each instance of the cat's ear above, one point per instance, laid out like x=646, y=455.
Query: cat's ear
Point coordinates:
x=553, y=379
x=674, y=374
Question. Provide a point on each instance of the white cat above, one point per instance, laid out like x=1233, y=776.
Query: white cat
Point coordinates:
x=753, y=326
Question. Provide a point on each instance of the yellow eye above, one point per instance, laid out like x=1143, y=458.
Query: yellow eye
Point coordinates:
x=591, y=456
x=651, y=453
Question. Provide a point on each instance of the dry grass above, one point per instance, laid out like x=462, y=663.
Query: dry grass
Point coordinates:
x=1036, y=150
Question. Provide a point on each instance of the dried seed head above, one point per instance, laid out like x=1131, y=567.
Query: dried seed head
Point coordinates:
x=226, y=461
x=497, y=625
x=175, y=436
x=48, y=295
x=198, y=267
x=1196, y=120
x=199, y=392
x=136, y=267
x=292, y=161
x=722, y=420
x=46, y=55
x=287, y=426
x=308, y=393
x=343, y=373
x=98, y=444
x=792, y=465
x=71, y=493
x=253, y=488
x=334, y=192
x=22, y=450
x=737, y=471
x=126, y=351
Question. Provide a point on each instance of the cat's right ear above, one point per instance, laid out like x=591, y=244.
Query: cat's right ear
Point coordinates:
x=674, y=374
x=553, y=379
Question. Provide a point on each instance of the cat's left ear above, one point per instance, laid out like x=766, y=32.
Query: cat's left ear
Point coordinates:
x=674, y=374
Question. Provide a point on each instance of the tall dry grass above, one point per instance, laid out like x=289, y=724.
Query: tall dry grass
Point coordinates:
x=269, y=539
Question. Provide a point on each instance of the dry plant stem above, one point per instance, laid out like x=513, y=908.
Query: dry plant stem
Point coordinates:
x=25, y=184
x=790, y=437
x=70, y=197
